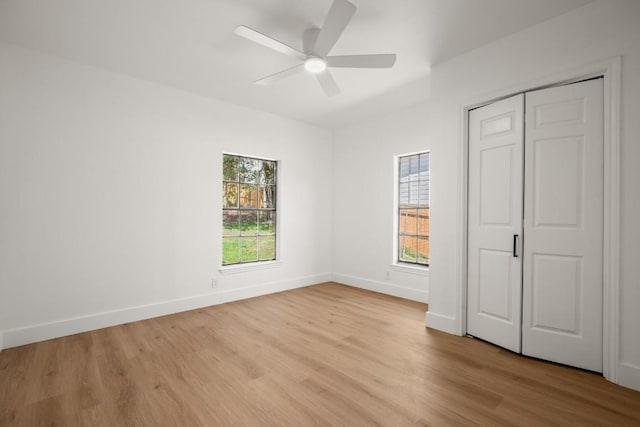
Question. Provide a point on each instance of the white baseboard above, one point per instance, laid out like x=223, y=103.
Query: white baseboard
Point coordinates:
x=441, y=322
x=44, y=331
x=383, y=287
x=629, y=375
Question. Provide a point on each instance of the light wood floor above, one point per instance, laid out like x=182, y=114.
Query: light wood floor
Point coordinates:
x=326, y=355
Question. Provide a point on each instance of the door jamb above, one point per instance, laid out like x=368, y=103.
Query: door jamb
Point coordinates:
x=610, y=70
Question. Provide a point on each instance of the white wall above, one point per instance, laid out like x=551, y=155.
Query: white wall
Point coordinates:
x=601, y=30
x=363, y=202
x=111, y=197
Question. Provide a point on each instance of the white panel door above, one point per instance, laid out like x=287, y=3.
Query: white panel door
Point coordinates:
x=563, y=225
x=494, y=218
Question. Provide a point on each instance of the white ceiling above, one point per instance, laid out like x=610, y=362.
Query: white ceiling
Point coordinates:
x=190, y=45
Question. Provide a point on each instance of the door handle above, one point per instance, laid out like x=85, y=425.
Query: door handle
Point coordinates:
x=515, y=246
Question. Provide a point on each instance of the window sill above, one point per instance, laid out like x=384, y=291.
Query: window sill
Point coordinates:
x=411, y=269
x=244, y=268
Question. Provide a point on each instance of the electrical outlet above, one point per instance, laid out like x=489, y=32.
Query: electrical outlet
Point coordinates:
x=214, y=283
x=387, y=276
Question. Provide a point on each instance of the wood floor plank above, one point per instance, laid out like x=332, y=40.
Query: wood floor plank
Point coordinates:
x=324, y=355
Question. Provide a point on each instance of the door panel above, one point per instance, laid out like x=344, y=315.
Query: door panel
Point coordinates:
x=494, y=285
x=494, y=217
x=558, y=184
x=556, y=278
x=495, y=186
x=563, y=225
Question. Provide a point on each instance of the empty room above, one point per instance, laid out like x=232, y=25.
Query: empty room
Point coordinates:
x=319, y=212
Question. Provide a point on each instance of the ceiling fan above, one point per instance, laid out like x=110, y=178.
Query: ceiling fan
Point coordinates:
x=316, y=45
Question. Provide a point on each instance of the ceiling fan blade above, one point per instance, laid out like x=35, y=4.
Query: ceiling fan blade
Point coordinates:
x=280, y=75
x=385, y=60
x=309, y=40
x=328, y=84
x=337, y=19
x=264, y=40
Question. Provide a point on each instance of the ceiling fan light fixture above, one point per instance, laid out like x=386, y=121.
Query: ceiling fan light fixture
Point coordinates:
x=316, y=46
x=315, y=65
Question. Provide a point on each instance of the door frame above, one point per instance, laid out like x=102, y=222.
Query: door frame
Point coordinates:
x=610, y=70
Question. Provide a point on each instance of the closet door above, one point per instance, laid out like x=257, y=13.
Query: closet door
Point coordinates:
x=494, y=222
x=563, y=225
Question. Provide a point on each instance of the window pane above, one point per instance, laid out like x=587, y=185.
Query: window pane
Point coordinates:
x=405, y=169
x=230, y=250
x=250, y=170
x=248, y=249
x=230, y=223
x=267, y=222
x=230, y=195
x=267, y=197
x=403, y=194
x=408, y=221
x=267, y=247
x=229, y=168
x=248, y=196
x=415, y=168
x=413, y=192
x=249, y=223
x=423, y=191
x=423, y=222
x=423, y=250
x=407, y=248
x=424, y=162
x=268, y=175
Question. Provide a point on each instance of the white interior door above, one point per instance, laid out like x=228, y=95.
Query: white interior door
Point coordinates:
x=494, y=218
x=563, y=225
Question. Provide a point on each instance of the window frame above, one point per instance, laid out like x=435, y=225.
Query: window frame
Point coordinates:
x=257, y=264
x=398, y=264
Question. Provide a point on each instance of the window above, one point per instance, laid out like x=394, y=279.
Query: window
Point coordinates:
x=248, y=209
x=413, y=209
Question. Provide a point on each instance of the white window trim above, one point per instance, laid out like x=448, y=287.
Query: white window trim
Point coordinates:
x=422, y=270
x=257, y=265
x=249, y=266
